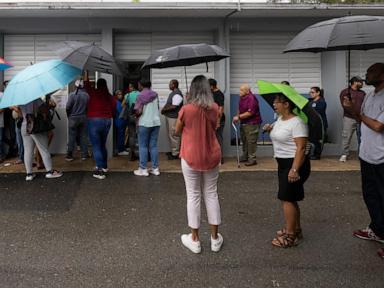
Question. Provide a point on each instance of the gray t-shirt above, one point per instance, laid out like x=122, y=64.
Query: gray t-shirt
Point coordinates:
x=372, y=143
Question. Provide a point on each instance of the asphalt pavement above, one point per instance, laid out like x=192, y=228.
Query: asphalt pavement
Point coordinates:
x=124, y=231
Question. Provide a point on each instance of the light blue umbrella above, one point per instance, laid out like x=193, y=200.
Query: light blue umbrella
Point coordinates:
x=38, y=80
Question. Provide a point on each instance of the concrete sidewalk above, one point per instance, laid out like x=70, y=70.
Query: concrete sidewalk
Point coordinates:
x=121, y=163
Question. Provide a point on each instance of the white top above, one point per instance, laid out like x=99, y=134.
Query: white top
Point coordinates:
x=150, y=116
x=177, y=99
x=283, y=134
x=372, y=142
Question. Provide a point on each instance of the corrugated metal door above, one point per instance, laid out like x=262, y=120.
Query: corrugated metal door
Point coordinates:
x=256, y=56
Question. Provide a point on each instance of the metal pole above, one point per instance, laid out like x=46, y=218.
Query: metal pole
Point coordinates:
x=186, y=81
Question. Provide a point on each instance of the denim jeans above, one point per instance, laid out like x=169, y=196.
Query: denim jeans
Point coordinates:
x=148, y=141
x=20, y=144
x=77, y=126
x=98, y=129
x=120, y=135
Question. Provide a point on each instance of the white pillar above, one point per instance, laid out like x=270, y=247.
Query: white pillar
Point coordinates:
x=107, y=45
x=333, y=76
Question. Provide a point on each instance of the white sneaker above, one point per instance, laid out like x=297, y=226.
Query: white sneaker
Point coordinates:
x=343, y=158
x=141, y=172
x=217, y=243
x=123, y=153
x=53, y=174
x=187, y=241
x=30, y=177
x=154, y=171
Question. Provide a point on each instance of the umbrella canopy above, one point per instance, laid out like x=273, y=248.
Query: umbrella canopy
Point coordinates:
x=185, y=55
x=345, y=33
x=268, y=91
x=4, y=64
x=38, y=80
x=86, y=56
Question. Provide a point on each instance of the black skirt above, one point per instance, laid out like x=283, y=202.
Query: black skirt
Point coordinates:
x=292, y=192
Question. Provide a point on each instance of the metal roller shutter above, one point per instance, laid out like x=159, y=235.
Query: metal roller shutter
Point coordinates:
x=257, y=56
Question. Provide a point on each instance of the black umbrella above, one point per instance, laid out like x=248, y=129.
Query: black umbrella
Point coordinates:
x=338, y=34
x=185, y=55
x=86, y=56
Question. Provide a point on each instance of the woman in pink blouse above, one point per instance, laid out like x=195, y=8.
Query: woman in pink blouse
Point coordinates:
x=200, y=157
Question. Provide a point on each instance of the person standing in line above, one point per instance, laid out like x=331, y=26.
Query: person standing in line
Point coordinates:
x=76, y=109
x=129, y=103
x=218, y=97
x=18, y=116
x=200, y=157
x=371, y=153
x=120, y=124
x=289, y=136
x=350, y=124
x=250, y=120
x=170, y=111
x=100, y=111
x=318, y=103
x=147, y=109
x=40, y=140
x=2, y=156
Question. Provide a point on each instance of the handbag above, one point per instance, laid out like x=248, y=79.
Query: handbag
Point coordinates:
x=40, y=121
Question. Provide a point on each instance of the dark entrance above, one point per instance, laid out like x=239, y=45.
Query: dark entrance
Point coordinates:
x=133, y=74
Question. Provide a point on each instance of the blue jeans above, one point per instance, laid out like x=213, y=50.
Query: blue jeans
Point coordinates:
x=77, y=126
x=120, y=135
x=148, y=141
x=98, y=129
x=20, y=144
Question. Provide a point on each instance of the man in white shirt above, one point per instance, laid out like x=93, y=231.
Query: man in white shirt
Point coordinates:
x=170, y=111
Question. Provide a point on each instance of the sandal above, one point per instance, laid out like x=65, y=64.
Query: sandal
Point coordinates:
x=285, y=241
x=283, y=231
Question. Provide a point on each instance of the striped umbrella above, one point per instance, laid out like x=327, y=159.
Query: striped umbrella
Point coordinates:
x=4, y=64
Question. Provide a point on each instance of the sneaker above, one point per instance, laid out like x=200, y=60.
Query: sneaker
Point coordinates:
x=187, y=241
x=217, y=243
x=30, y=177
x=105, y=170
x=123, y=153
x=141, y=172
x=154, y=171
x=53, y=174
x=367, y=234
x=69, y=158
x=99, y=174
x=343, y=158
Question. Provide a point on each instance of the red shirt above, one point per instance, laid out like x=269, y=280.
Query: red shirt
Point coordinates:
x=101, y=104
x=199, y=145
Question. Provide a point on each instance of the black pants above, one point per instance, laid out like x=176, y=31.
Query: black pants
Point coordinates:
x=372, y=178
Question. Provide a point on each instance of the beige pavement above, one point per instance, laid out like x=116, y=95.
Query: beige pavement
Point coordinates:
x=121, y=163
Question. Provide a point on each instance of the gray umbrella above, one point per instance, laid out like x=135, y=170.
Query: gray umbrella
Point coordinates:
x=86, y=56
x=185, y=55
x=345, y=33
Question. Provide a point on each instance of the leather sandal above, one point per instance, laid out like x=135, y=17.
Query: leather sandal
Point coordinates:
x=285, y=241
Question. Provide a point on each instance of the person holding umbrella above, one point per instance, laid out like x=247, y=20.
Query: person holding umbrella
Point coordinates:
x=289, y=135
x=371, y=154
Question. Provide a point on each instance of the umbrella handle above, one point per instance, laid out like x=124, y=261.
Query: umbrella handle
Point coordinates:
x=186, y=81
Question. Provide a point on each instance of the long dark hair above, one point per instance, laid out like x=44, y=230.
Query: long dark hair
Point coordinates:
x=317, y=89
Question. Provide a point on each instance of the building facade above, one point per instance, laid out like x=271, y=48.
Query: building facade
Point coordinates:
x=254, y=34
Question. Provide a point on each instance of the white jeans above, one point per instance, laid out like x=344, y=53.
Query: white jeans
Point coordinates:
x=196, y=183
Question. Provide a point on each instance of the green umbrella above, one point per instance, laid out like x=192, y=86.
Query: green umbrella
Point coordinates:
x=268, y=91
